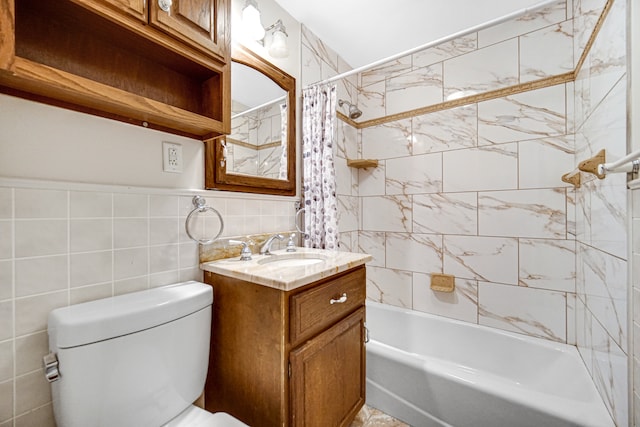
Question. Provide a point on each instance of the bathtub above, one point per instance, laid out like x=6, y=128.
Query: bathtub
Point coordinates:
x=432, y=371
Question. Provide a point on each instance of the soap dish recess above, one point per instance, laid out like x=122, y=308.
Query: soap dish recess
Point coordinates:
x=443, y=282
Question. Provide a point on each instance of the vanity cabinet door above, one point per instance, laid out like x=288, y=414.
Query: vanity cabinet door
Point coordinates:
x=200, y=23
x=328, y=375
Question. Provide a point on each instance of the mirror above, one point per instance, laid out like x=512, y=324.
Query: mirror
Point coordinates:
x=258, y=156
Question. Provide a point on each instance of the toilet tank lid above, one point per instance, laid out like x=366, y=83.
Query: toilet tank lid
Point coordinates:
x=107, y=318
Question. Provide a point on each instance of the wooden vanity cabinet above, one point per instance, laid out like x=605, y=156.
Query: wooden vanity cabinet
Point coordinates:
x=288, y=358
x=122, y=59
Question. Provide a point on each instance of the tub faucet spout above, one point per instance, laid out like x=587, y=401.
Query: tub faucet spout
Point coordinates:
x=266, y=248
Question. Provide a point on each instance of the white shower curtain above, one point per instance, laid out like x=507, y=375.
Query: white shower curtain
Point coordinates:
x=319, y=177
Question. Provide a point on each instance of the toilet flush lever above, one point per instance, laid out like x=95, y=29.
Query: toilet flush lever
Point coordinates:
x=51, y=371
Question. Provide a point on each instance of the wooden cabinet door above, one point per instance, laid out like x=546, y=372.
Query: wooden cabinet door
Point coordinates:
x=201, y=23
x=136, y=9
x=328, y=375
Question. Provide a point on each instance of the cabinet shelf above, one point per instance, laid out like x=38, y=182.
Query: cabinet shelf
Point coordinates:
x=64, y=87
x=362, y=163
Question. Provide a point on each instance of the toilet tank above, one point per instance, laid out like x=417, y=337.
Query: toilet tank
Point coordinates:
x=132, y=360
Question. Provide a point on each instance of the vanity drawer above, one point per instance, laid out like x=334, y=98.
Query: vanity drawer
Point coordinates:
x=312, y=311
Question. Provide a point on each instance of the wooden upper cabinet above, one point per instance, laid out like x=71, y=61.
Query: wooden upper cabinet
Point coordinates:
x=135, y=8
x=202, y=23
x=104, y=57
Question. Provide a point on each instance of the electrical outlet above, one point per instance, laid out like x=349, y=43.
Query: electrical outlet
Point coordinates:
x=171, y=157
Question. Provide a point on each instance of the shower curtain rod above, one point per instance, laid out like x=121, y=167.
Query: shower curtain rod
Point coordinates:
x=250, y=110
x=445, y=39
x=626, y=164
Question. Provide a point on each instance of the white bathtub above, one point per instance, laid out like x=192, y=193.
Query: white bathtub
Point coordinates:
x=432, y=371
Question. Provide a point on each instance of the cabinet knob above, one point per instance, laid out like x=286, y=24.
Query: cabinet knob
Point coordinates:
x=340, y=300
x=165, y=5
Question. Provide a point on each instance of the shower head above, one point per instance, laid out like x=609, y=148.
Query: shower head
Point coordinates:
x=354, y=112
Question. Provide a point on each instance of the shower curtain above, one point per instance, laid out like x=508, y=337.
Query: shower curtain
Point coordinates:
x=319, y=183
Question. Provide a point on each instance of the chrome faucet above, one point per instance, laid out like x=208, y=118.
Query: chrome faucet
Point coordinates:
x=266, y=247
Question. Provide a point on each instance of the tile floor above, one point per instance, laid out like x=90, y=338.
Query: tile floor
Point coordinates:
x=371, y=417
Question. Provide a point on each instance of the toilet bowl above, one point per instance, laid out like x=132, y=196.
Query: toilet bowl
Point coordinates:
x=196, y=417
x=133, y=360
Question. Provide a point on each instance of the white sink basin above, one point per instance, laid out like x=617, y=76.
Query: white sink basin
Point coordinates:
x=292, y=260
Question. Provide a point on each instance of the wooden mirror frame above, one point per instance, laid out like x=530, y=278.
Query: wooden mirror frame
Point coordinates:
x=216, y=176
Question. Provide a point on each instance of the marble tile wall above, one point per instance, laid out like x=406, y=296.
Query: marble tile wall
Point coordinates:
x=475, y=191
x=465, y=192
x=320, y=62
x=635, y=304
x=600, y=104
x=60, y=246
x=529, y=48
x=257, y=128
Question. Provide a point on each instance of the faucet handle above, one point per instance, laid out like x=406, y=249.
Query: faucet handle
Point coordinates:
x=245, y=253
x=291, y=246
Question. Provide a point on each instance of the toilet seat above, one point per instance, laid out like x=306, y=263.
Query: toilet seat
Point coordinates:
x=197, y=417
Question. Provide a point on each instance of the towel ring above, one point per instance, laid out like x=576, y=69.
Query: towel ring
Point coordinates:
x=296, y=220
x=201, y=206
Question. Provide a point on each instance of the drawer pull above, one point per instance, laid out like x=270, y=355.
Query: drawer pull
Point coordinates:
x=340, y=300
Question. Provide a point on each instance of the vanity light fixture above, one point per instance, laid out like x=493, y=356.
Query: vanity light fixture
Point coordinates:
x=251, y=20
x=253, y=28
x=278, y=48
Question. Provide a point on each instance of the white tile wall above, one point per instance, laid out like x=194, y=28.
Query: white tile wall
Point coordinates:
x=523, y=213
x=414, y=252
x=64, y=246
x=526, y=310
x=446, y=213
x=547, y=52
x=548, y=264
x=484, y=168
x=474, y=191
x=530, y=253
x=493, y=259
x=415, y=89
x=482, y=70
x=445, y=130
x=415, y=174
x=552, y=14
x=536, y=114
x=446, y=50
x=461, y=304
x=542, y=161
x=387, y=213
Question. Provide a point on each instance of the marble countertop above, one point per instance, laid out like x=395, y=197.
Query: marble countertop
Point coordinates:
x=286, y=277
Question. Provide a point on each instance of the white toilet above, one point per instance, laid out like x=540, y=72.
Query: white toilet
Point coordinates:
x=133, y=360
